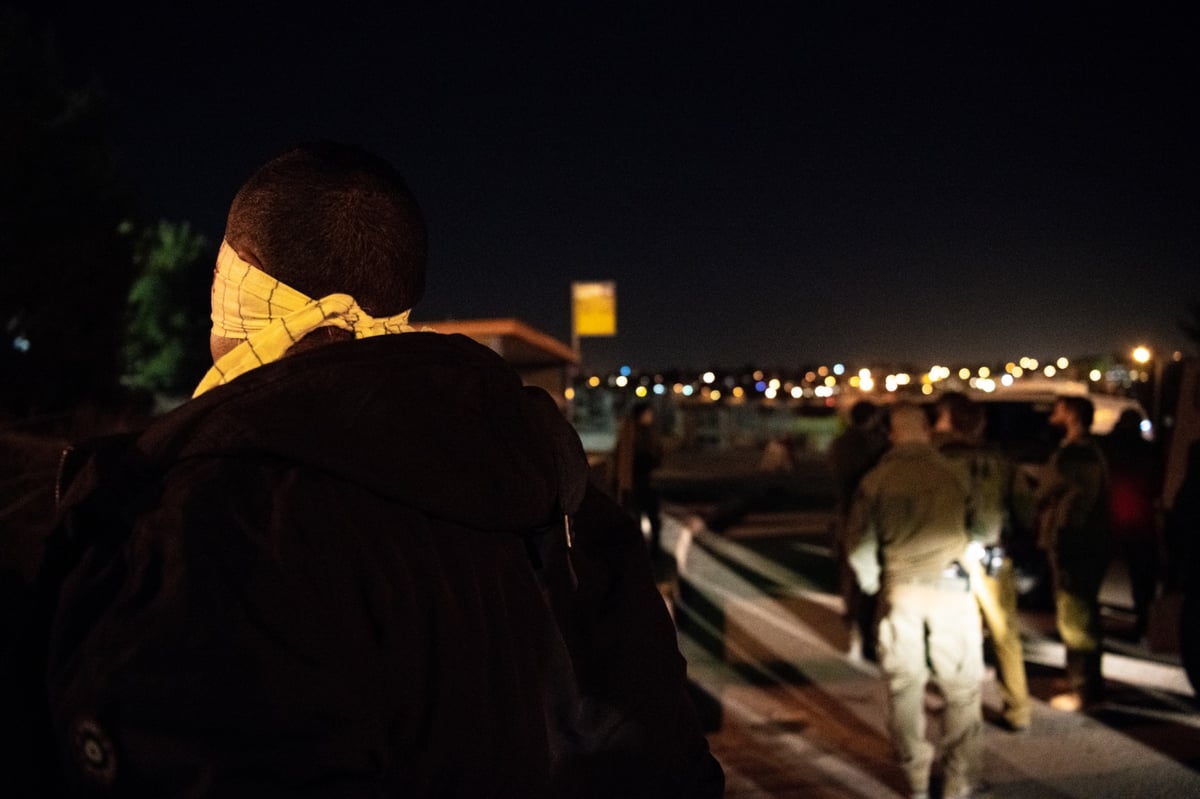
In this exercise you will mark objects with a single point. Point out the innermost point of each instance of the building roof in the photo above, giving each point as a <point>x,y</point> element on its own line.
<point>515,341</point>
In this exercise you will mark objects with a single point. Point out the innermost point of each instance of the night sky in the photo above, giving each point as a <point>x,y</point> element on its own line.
<point>767,183</point>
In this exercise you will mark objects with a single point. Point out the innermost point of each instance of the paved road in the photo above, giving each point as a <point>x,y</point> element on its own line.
<point>792,716</point>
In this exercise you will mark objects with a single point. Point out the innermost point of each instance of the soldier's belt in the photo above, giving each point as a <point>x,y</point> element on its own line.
<point>953,578</point>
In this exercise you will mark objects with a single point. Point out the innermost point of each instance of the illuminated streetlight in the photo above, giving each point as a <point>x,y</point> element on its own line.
<point>1141,354</point>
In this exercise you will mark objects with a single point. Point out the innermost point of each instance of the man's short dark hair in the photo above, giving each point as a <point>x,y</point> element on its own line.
<point>1081,408</point>
<point>329,218</point>
<point>966,415</point>
<point>863,413</point>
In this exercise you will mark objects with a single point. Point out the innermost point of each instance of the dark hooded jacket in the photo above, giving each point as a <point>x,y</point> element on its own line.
<point>347,574</point>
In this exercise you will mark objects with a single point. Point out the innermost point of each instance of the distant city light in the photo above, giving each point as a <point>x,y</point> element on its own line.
<point>677,388</point>
<point>760,386</point>
<point>774,384</point>
<point>758,375</point>
<point>594,381</point>
<point>641,391</point>
<point>855,380</point>
<point>770,393</point>
<point>1049,371</point>
<point>986,384</point>
<point>660,389</point>
<point>1017,371</point>
<point>688,390</point>
<point>1010,367</point>
<point>1095,375</point>
<point>1006,380</point>
<point>889,383</point>
<point>864,374</point>
<point>865,383</point>
<point>1141,354</point>
<point>964,373</point>
<point>831,381</point>
<point>823,391</point>
<point>708,377</point>
<point>1062,363</point>
<point>984,372</point>
<point>822,371</point>
<point>839,369</point>
<point>797,392</point>
<point>625,371</point>
<point>738,392</point>
<point>926,389</point>
<point>569,394</point>
<point>714,395</point>
<point>21,344</point>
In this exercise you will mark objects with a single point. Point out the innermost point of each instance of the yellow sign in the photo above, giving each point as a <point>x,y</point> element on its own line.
<point>594,308</point>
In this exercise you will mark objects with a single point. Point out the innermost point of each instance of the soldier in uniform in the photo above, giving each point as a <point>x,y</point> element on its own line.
<point>1073,530</point>
<point>990,478</point>
<point>907,540</point>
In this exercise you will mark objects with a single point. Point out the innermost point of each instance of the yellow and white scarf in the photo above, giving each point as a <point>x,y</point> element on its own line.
<point>270,316</point>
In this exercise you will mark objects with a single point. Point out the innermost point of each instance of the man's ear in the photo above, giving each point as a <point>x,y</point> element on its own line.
<point>245,248</point>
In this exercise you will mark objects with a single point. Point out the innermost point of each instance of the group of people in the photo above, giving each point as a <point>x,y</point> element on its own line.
<point>927,517</point>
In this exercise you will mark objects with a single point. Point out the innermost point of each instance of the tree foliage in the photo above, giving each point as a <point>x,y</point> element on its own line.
<point>66,265</point>
<point>167,330</point>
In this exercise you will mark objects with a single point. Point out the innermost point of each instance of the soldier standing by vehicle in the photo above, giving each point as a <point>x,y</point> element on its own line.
<point>1073,530</point>
<point>907,539</point>
<point>989,474</point>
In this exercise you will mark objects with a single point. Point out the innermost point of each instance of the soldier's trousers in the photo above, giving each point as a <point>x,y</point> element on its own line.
<point>997,598</point>
<point>932,634</point>
<point>1077,612</point>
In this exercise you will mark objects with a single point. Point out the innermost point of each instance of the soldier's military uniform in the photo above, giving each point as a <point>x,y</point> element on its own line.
<point>907,538</point>
<point>1073,529</point>
<point>990,477</point>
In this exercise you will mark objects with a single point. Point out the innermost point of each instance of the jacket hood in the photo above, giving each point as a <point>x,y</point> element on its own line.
<point>439,423</point>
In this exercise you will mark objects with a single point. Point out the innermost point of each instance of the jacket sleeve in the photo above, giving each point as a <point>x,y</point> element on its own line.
<point>643,736</point>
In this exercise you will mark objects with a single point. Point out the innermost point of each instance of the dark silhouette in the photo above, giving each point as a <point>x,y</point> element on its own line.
<point>1135,473</point>
<point>851,455</point>
<point>638,452</point>
<point>1182,535</point>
